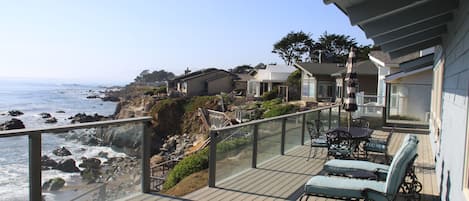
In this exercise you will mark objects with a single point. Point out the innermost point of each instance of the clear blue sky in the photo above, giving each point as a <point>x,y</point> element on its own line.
<point>113,41</point>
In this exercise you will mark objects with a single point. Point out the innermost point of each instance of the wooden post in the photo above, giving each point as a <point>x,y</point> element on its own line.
<point>282,140</point>
<point>254,145</point>
<point>35,185</point>
<point>212,159</point>
<point>146,154</point>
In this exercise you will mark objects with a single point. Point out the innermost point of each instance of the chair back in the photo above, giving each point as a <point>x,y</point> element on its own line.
<point>314,128</point>
<point>339,137</point>
<point>398,168</point>
<point>360,122</point>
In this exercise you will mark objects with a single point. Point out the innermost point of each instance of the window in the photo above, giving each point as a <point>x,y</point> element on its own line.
<point>394,96</point>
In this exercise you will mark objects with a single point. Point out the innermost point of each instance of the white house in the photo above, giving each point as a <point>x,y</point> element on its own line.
<point>267,79</point>
<point>402,27</point>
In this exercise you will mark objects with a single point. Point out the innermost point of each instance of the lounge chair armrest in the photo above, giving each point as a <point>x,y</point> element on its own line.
<point>373,194</point>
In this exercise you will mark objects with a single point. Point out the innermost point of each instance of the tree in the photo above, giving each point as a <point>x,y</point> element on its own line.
<point>294,85</point>
<point>155,76</point>
<point>335,48</point>
<point>293,47</point>
<point>242,69</point>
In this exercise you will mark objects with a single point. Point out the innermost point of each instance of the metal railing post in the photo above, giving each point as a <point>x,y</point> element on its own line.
<point>35,186</point>
<point>330,118</point>
<point>282,140</point>
<point>146,154</point>
<point>303,129</point>
<point>254,145</point>
<point>212,159</point>
<point>340,117</point>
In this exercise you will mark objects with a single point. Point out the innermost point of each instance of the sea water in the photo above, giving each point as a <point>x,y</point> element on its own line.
<point>33,98</point>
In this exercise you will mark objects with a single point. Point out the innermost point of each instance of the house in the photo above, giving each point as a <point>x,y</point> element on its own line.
<point>203,82</point>
<point>409,92</point>
<point>267,79</point>
<point>325,81</point>
<point>387,66</point>
<point>404,27</point>
<point>241,84</point>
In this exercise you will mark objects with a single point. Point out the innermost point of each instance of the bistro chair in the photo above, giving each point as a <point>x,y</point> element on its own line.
<point>379,146</point>
<point>360,122</point>
<point>340,143</point>
<point>317,136</point>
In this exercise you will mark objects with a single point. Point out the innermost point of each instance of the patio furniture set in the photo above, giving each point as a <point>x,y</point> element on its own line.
<point>350,176</point>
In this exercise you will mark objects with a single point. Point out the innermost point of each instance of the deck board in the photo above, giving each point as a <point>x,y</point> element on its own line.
<point>283,177</point>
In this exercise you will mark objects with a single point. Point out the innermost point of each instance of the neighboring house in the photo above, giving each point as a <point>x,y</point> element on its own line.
<point>203,82</point>
<point>325,81</point>
<point>241,84</point>
<point>267,79</point>
<point>409,92</point>
<point>387,66</point>
<point>403,27</point>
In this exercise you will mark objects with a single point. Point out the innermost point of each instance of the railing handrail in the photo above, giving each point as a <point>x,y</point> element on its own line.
<point>65,128</point>
<point>274,118</point>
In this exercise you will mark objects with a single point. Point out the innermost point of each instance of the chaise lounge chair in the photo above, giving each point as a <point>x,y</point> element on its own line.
<point>343,167</point>
<point>350,188</point>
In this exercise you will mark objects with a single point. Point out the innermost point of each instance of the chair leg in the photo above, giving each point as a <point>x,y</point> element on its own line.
<point>309,155</point>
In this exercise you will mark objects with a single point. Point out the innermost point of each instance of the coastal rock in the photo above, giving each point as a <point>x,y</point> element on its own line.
<point>111,98</point>
<point>48,163</point>
<point>51,120</point>
<point>15,113</point>
<point>67,165</point>
<point>92,97</point>
<point>53,184</point>
<point>103,154</point>
<point>62,152</point>
<point>60,111</point>
<point>126,138</point>
<point>91,170</point>
<point>83,118</point>
<point>45,115</point>
<point>92,163</point>
<point>12,124</point>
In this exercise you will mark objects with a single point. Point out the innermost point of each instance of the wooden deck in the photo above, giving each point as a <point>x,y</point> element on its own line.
<point>283,177</point>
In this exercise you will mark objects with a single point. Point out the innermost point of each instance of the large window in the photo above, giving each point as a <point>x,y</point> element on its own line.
<point>308,87</point>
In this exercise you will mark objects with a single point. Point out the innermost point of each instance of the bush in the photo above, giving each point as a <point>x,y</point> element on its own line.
<point>198,102</point>
<point>190,164</point>
<point>154,91</point>
<point>278,110</point>
<point>267,105</point>
<point>270,95</point>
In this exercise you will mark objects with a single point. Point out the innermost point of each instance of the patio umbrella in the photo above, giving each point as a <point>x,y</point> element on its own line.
<point>350,104</point>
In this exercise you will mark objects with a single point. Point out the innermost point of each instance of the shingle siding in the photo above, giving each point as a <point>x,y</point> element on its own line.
<point>450,163</point>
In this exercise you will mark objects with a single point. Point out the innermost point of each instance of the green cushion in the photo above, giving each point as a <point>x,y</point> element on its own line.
<point>397,169</point>
<point>341,186</point>
<point>375,147</point>
<point>337,166</point>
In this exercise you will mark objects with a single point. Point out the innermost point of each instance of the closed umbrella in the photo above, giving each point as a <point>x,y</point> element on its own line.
<point>350,104</point>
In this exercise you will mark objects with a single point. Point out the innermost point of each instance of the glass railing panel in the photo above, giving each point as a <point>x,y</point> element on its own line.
<point>293,129</point>
<point>234,151</point>
<point>14,165</point>
<point>310,117</point>
<point>335,117</point>
<point>269,140</point>
<point>102,163</point>
<point>324,116</point>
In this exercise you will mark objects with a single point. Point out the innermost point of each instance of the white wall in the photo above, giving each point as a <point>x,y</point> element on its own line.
<point>451,152</point>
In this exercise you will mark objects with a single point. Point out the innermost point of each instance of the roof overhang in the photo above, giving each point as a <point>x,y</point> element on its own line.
<point>402,74</point>
<point>400,27</point>
<point>302,69</point>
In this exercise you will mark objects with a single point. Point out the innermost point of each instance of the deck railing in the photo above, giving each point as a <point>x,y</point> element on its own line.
<point>35,150</point>
<point>239,147</point>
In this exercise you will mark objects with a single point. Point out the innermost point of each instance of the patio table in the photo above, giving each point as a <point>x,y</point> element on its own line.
<point>359,136</point>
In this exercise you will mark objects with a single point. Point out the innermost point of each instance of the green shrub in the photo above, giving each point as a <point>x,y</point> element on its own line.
<point>160,90</point>
<point>185,167</point>
<point>270,95</point>
<point>197,102</point>
<point>267,105</point>
<point>278,110</point>
<point>154,91</point>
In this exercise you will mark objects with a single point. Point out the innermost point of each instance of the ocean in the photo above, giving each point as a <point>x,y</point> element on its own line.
<point>33,98</point>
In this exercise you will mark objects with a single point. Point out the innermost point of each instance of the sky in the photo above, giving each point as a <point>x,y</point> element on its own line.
<point>111,41</point>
